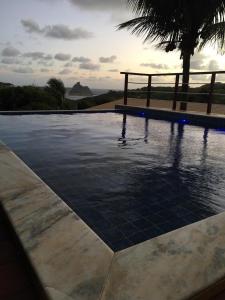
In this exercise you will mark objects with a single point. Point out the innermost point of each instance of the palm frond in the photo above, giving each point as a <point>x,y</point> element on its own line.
<point>213,34</point>
<point>182,24</point>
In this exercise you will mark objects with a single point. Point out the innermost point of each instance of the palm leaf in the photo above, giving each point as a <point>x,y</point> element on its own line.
<point>213,34</point>
<point>182,24</point>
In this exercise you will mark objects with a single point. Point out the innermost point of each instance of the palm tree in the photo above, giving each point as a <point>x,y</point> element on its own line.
<point>179,24</point>
<point>57,85</point>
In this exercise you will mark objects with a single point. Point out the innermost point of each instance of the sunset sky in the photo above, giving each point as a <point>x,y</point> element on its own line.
<point>77,40</point>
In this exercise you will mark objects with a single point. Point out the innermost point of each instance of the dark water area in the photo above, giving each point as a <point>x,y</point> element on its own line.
<point>129,178</point>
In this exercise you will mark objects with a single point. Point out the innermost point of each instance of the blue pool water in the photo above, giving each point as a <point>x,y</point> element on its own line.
<point>129,178</point>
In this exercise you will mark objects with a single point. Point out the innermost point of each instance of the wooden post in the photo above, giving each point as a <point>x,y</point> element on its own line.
<point>176,91</point>
<point>209,106</point>
<point>125,89</point>
<point>149,90</point>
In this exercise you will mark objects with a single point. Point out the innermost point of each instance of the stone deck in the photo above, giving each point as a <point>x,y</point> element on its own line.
<point>164,104</point>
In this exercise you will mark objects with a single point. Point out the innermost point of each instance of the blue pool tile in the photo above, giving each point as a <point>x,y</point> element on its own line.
<point>155,218</point>
<point>133,216</point>
<point>127,229</point>
<point>142,224</point>
<point>125,194</point>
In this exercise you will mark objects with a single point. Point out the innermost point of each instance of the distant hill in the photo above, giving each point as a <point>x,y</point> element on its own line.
<point>79,90</point>
<point>197,94</point>
<point>5,84</point>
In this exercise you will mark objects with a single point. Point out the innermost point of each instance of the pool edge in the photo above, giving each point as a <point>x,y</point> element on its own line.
<point>58,112</point>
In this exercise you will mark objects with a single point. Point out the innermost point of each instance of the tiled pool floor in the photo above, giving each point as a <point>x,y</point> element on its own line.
<point>129,178</point>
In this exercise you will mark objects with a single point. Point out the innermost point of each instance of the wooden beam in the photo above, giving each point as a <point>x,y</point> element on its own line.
<point>171,74</point>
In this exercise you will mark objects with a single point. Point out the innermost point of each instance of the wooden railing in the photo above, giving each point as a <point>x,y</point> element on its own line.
<point>176,86</point>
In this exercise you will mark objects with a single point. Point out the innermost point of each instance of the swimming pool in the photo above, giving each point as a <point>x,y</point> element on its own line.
<point>129,178</point>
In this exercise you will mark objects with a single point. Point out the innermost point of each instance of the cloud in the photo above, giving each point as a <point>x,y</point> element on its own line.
<point>198,62</point>
<point>213,65</point>
<point>44,70</point>
<point>45,63</point>
<point>5,44</point>
<point>65,72</point>
<point>31,26</point>
<point>117,9</point>
<point>81,59</point>
<point>113,70</point>
<point>120,16</point>
<point>220,77</point>
<point>69,64</point>
<point>58,31</point>
<point>89,66</point>
<point>107,60</point>
<point>200,78</point>
<point>62,56</point>
<point>65,33</point>
<point>20,43</point>
<point>155,66</point>
<point>14,61</point>
<point>10,52</point>
<point>98,4</point>
<point>48,57</point>
<point>23,70</point>
<point>37,55</point>
<point>10,61</point>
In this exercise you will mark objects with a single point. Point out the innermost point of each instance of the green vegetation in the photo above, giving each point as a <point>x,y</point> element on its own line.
<point>47,98</point>
<point>32,97</point>
<point>56,88</point>
<point>27,98</point>
<point>182,25</point>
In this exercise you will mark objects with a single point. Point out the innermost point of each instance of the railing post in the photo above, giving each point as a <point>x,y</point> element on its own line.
<point>209,106</point>
<point>176,91</point>
<point>125,89</point>
<point>149,90</point>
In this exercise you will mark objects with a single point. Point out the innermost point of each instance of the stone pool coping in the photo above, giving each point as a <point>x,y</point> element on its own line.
<point>59,112</point>
<point>73,263</point>
<point>192,118</point>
